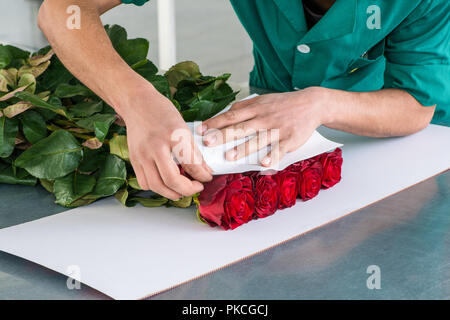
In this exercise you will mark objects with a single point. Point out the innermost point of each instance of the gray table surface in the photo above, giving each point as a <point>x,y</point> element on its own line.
<point>406,235</point>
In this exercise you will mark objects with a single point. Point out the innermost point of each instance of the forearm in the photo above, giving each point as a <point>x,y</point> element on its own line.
<point>383,113</point>
<point>87,52</point>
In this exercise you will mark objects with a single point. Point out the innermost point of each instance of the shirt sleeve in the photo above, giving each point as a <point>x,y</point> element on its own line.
<point>136,2</point>
<point>418,54</point>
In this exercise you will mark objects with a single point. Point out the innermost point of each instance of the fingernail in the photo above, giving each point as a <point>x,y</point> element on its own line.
<point>202,128</point>
<point>210,139</point>
<point>266,161</point>
<point>232,155</point>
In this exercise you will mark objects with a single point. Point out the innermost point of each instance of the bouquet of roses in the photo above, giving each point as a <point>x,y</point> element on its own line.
<point>231,200</point>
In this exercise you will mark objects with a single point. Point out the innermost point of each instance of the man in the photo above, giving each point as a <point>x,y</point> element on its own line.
<point>378,68</point>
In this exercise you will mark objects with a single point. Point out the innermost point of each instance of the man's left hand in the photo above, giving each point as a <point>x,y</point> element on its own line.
<point>283,120</point>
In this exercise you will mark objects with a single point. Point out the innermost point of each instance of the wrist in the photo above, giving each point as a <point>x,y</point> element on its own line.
<point>133,93</point>
<point>322,104</point>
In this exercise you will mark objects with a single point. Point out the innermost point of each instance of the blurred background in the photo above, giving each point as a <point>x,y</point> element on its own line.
<point>208,32</point>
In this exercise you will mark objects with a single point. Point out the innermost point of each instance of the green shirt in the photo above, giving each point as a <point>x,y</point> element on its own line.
<point>345,50</point>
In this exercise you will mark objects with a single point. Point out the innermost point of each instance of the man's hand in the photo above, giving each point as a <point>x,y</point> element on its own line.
<point>283,120</point>
<point>382,113</point>
<point>151,119</point>
<point>154,129</point>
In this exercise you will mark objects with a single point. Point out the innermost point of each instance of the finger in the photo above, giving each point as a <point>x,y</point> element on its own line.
<point>140,175</point>
<point>243,103</point>
<point>157,185</point>
<point>277,152</point>
<point>262,140</point>
<point>198,169</point>
<point>232,133</point>
<point>201,129</point>
<point>191,159</point>
<point>172,178</point>
<point>228,118</point>
<point>208,168</point>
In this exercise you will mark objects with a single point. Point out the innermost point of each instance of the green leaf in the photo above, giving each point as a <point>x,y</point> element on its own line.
<point>14,109</point>
<point>206,93</point>
<point>99,123</point>
<point>101,130</point>
<point>8,176</point>
<point>133,50</point>
<point>150,202</point>
<point>145,68</point>
<point>86,109</point>
<point>84,201</point>
<point>118,145</point>
<point>33,126</point>
<point>92,160</point>
<point>54,75</point>
<point>8,132</point>
<point>10,75</point>
<point>53,157</point>
<point>72,187</point>
<point>11,94</point>
<point>184,202</point>
<point>38,102</point>
<point>181,71</point>
<point>65,90</point>
<point>117,34</point>
<point>190,115</point>
<point>89,123</point>
<point>35,71</point>
<point>17,53</point>
<point>112,176</point>
<point>122,196</point>
<point>47,184</point>
<point>133,183</point>
<point>38,59</point>
<point>27,79</point>
<point>5,57</point>
<point>205,109</point>
<point>3,83</point>
<point>185,95</point>
<point>161,84</point>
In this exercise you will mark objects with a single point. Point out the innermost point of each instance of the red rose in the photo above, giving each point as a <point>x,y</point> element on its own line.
<point>332,164</point>
<point>287,181</point>
<point>227,201</point>
<point>310,179</point>
<point>267,195</point>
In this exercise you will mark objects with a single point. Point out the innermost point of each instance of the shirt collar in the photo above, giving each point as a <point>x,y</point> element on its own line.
<point>339,20</point>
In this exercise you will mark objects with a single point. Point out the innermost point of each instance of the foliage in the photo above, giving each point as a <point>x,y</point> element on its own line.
<point>57,132</point>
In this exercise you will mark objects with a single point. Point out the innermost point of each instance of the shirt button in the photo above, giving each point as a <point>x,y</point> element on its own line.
<point>303,48</point>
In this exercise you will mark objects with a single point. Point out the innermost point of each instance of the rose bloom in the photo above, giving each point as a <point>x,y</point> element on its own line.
<point>310,179</point>
<point>267,195</point>
<point>287,181</point>
<point>332,164</point>
<point>227,201</point>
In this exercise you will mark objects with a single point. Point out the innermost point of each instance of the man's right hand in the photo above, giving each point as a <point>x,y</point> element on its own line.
<point>151,118</point>
<point>154,129</point>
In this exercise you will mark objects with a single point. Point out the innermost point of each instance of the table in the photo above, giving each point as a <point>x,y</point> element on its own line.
<point>406,235</point>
